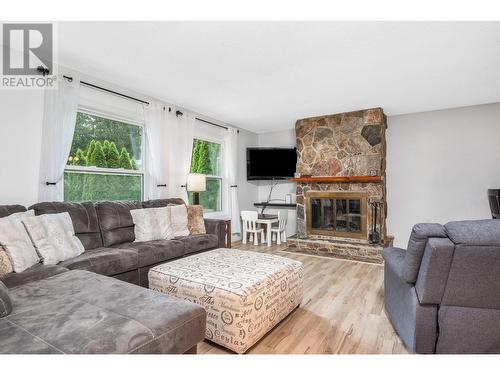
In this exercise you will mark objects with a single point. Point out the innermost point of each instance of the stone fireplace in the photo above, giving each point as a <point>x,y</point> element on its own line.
<point>341,195</point>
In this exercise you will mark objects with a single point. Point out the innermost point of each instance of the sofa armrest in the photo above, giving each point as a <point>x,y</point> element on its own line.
<point>434,270</point>
<point>415,324</point>
<point>217,227</point>
<point>394,258</point>
<point>5,301</point>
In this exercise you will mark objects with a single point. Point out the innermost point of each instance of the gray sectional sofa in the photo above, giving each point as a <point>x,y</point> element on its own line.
<point>442,294</point>
<point>83,305</point>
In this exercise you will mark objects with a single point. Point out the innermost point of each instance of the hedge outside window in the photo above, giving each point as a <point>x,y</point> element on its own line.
<point>105,161</point>
<point>206,159</point>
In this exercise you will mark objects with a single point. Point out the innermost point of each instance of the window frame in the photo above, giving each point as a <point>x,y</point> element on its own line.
<point>115,171</point>
<point>220,177</point>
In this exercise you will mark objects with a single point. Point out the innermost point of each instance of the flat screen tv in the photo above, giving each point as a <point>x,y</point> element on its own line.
<point>271,163</point>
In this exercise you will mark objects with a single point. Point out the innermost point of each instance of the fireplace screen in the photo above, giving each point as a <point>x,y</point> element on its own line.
<point>340,214</point>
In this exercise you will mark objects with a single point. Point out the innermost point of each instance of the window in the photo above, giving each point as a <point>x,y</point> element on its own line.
<point>206,159</point>
<point>105,161</point>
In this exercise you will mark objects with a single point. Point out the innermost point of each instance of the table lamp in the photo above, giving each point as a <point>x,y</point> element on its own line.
<point>196,182</point>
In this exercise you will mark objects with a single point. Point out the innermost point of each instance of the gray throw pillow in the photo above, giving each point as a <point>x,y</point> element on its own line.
<point>5,302</point>
<point>416,246</point>
<point>16,241</point>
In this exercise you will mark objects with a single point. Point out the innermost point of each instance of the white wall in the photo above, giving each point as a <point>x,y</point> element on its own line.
<point>285,138</point>
<point>439,166</point>
<point>21,117</point>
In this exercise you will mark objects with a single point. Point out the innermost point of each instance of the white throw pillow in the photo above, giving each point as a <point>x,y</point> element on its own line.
<point>16,242</point>
<point>151,224</point>
<point>54,237</point>
<point>179,220</point>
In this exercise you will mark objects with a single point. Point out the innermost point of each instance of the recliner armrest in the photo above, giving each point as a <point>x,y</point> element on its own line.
<point>394,258</point>
<point>217,227</point>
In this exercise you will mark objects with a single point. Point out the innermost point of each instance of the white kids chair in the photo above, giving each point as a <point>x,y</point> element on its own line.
<point>249,220</point>
<point>279,232</point>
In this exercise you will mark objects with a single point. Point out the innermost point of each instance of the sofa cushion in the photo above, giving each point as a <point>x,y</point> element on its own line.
<point>35,273</point>
<point>6,210</point>
<point>5,303</point>
<point>83,312</point>
<point>116,222</point>
<point>16,241</point>
<point>54,237</point>
<point>468,330</point>
<point>15,337</point>
<point>199,242</point>
<point>152,252</point>
<point>162,202</point>
<point>474,232</point>
<point>474,277</point>
<point>84,218</point>
<point>416,246</point>
<point>104,261</point>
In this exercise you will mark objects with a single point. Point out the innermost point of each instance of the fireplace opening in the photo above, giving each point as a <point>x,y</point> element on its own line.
<point>341,214</point>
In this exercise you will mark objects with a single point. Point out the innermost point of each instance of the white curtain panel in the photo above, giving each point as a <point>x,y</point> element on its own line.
<point>180,132</point>
<point>231,161</point>
<point>59,117</point>
<point>155,119</point>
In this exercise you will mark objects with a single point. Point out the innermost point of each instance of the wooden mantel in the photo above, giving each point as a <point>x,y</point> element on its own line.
<point>344,179</point>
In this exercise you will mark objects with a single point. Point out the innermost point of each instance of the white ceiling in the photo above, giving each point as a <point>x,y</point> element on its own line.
<point>263,76</point>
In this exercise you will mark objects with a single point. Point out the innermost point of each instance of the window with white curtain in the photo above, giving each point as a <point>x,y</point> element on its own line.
<point>207,159</point>
<point>106,161</point>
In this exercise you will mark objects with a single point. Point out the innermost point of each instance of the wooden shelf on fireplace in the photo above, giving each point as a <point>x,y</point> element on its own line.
<point>348,179</point>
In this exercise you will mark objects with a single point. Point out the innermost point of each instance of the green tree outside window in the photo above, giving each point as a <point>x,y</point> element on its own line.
<point>206,160</point>
<point>95,144</point>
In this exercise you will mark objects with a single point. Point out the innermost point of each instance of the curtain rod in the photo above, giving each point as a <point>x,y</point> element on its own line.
<point>107,90</point>
<point>214,124</point>
<point>211,123</point>
<point>178,113</point>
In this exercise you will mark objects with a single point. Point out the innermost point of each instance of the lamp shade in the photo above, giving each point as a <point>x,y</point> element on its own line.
<point>196,182</point>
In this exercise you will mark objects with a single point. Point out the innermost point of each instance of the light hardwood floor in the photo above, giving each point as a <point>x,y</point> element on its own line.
<point>342,311</point>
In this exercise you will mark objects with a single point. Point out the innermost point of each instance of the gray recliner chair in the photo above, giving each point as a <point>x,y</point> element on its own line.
<point>442,294</point>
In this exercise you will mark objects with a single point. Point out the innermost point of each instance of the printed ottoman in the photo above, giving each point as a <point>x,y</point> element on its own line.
<point>244,293</point>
